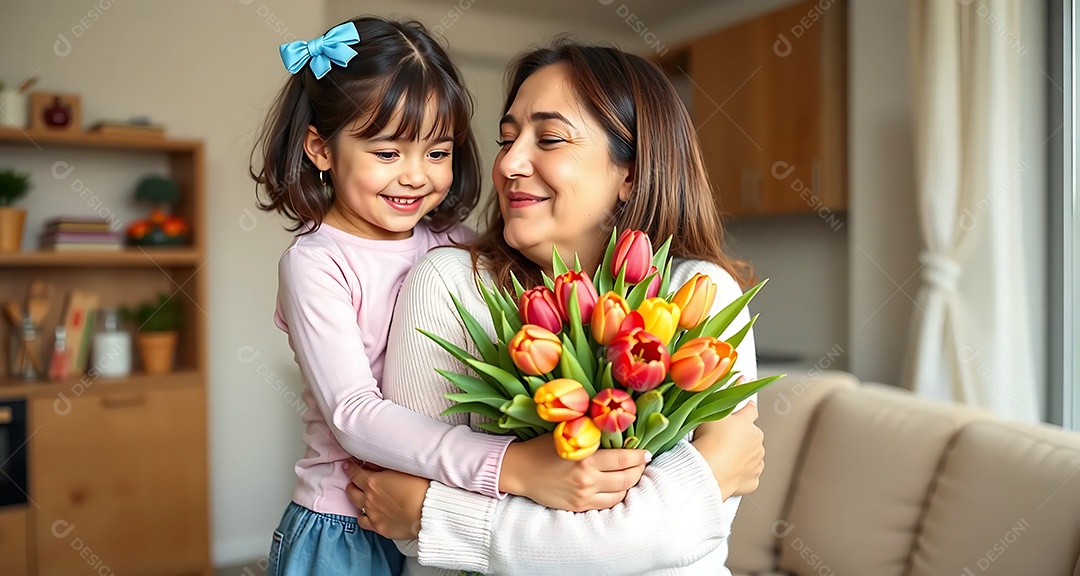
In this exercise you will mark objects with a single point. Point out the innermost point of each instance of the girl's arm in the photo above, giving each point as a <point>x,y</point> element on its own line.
<point>671,518</point>
<point>316,304</point>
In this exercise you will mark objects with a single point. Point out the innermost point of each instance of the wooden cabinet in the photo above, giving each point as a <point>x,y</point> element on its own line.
<point>117,468</point>
<point>769,104</point>
<point>13,549</point>
<point>120,479</point>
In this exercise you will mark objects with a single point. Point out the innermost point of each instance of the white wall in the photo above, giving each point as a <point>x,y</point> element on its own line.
<point>208,70</point>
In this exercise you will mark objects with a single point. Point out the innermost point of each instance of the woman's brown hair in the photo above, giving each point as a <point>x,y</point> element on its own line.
<point>397,65</point>
<point>649,130</point>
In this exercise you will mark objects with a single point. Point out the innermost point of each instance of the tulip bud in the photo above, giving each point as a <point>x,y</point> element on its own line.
<point>654,284</point>
<point>586,294</point>
<point>535,350</point>
<point>577,439</point>
<point>701,362</point>
<point>561,399</point>
<point>634,250</point>
<point>661,318</point>
<point>608,316</point>
<point>695,300</point>
<point>613,410</point>
<point>538,306</point>
<point>639,360</point>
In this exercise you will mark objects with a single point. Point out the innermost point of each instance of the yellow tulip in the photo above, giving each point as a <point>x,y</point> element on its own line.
<point>577,439</point>
<point>661,318</point>
<point>695,300</point>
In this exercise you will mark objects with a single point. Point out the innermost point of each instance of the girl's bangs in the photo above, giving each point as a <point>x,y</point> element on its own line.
<point>410,91</point>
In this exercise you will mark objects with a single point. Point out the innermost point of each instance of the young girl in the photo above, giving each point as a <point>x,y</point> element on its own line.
<point>368,153</point>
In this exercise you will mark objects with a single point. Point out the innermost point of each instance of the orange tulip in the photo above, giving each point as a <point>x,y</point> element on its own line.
<point>535,350</point>
<point>577,439</point>
<point>613,410</point>
<point>695,300</point>
<point>661,318</point>
<point>608,315</point>
<point>560,400</point>
<point>700,363</point>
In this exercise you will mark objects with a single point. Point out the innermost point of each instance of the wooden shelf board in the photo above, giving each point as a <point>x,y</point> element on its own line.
<point>92,140</point>
<point>127,258</point>
<point>88,385</point>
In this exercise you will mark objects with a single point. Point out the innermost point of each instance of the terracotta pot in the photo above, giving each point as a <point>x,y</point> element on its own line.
<point>11,228</point>
<point>158,351</point>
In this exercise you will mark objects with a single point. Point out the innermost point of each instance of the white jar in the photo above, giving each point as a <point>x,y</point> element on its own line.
<point>111,352</point>
<point>13,108</point>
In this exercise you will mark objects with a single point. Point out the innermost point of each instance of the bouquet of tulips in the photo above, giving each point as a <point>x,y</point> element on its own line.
<point>611,361</point>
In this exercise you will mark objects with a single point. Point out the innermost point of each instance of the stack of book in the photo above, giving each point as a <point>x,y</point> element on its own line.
<point>87,234</point>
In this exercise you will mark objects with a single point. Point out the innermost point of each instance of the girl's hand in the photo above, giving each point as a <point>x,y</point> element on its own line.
<point>391,502</point>
<point>533,469</point>
<point>735,449</point>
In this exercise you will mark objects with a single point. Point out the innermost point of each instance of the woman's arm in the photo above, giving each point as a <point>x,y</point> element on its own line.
<point>316,306</point>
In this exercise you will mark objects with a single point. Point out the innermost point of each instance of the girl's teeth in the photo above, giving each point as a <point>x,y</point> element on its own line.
<point>402,201</point>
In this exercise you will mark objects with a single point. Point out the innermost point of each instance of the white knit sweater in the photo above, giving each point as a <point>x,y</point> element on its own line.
<point>674,521</point>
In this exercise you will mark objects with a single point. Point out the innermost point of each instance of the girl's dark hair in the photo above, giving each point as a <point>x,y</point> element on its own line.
<point>397,64</point>
<point>649,130</point>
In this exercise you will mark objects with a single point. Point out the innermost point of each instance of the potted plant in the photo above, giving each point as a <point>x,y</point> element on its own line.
<point>161,228</point>
<point>13,186</point>
<point>157,324</point>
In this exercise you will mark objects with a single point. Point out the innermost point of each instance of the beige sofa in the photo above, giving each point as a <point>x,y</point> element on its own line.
<point>868,480</point>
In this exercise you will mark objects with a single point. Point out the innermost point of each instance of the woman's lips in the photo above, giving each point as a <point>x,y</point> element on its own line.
<point>523,200</point>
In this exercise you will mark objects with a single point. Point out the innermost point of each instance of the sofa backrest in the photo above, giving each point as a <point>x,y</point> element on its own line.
<point>869,461</point>
<point>785,410</point>
<point>1007,502</point>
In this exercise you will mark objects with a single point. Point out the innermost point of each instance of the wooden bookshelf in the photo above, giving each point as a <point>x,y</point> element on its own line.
<point>127,258</point>
<point>91,386</point>
<point>134,143</point>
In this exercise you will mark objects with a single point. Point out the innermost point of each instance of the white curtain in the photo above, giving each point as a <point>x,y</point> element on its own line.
<point>970,339</point>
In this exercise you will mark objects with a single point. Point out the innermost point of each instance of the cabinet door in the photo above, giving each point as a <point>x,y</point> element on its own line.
<point>13,551</point>
<point>121,483</point>
<point>730,113</point>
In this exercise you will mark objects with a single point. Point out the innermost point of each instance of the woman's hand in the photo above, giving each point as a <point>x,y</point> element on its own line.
<point>390,502</point>
<point>735,450</point>
<point>533,469</point>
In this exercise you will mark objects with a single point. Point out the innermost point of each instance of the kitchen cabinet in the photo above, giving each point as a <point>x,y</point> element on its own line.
<point>13,549</point>
<point>769,103</point>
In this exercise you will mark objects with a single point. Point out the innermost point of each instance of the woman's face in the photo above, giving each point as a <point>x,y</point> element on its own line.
<point>554,175</point>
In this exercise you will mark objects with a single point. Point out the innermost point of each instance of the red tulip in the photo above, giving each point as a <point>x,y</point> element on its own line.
<point>586,294</point>
<point>654,284</point>
<point>701,362</point>
<point>608,317</point>
<point>613,410</point>
<point>535,350</point>
<point>560,400</point>
<point>634,250</point>
<point>538,306</point>
<point>639,360</point>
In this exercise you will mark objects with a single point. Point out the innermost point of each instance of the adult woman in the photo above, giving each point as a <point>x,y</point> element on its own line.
<point>592,137</point>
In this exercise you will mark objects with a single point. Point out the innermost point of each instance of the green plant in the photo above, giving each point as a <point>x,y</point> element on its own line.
<point>157,190</point>
<point>13,186</point>
<point>162,315</point>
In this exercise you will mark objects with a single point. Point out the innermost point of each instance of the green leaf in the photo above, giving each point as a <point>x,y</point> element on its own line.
<point>534,382</point>
<point>637,295</point>
<point>493,305</point>
<point>548,281</point>
<point>505,362</point>
<point>620,282</point>
<point>506,332</point>
<point>523,409</point>
<point>720,322</point>
<point>737,339</point>
<point>510,383</point>
<point>729,397</point>
<point>476,332</point>
<point>603,279</point>
<point>660,257</point>
<point>631,442</point>
<point>582,348</point>
<point>557,264</point>
<point>656,424</point>
<point>611,440</point>
<point>571,368</point>
<point>518,288</point>
<point>577,262</point>
<point>495,428</point>
<point>605,380</point>
<point>665,280</point>
<point>474,408</point>
<point>647,404</point>
<point>468,384</point>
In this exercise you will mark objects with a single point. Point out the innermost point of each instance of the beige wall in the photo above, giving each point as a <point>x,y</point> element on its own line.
<point>207,69</point>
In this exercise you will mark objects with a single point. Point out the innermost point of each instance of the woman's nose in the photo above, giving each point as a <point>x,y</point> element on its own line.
<point>515,162</point>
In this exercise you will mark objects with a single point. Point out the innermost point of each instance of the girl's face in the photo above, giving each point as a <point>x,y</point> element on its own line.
<point>382,186</point>
<point>555,179</point>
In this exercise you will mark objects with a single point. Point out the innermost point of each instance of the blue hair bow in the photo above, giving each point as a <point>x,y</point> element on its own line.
<point>330,47</point>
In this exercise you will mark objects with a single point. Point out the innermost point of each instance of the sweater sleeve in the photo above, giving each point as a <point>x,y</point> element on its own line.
<point>316,304</point>
<point>671,518</point>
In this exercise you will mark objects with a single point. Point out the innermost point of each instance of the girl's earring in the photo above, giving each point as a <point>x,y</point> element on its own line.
<point>328,190</point>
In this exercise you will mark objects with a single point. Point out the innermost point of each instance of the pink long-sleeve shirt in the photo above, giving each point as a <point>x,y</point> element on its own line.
<point>336,295</point>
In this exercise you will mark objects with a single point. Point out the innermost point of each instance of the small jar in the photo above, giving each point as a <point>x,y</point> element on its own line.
<point>26,351</point>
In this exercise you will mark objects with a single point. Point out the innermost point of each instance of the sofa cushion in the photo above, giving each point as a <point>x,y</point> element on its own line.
<point>784,412</point>
<point>858,497</point>
<point>1006,502</point>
